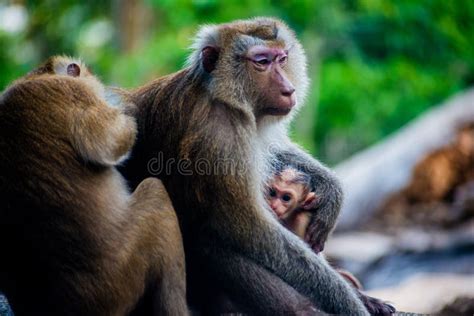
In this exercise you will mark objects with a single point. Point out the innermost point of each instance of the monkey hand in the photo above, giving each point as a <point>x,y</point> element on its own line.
<point>315,236</point>
<point>375,306</point>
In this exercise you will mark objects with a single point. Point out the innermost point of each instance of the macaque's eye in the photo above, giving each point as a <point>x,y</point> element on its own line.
<point>283,59</point>
<point>261,60</point>
<point>272,192</point>
<point>286,197</point>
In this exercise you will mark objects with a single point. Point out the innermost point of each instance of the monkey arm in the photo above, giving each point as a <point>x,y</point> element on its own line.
<point>102,134</point>
<point>327,189</point>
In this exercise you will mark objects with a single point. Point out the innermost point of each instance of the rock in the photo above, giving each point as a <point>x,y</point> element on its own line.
<point>371,176</point>
<point>461,306</point>
<point>422,239</point>
<point>427,293</point>
<point>363,247</point>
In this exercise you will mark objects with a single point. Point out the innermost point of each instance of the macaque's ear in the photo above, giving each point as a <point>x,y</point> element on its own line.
<point>73,70</point>
<point>209,55</point>
<point>310,202</point>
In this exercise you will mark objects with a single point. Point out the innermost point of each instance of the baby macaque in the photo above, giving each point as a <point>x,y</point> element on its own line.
<point>292,200</point>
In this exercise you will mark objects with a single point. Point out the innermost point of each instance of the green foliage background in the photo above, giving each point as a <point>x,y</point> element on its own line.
<point>374,64</point>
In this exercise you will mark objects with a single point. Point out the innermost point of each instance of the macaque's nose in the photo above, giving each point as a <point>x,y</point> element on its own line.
<point>288,91</point>
<point>286,87</point>
<point>274,206</point>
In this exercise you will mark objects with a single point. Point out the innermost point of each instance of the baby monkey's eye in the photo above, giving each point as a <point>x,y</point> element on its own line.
<point>272,192</point>
<point>286,197</point>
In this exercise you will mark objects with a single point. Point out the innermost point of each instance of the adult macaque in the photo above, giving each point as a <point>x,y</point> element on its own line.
<point>226,109</point>
<point>75,242</point>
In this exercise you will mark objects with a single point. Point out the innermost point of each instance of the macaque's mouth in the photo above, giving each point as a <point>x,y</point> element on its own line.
<point>285,105</point>
<point>281,216</point>
<point>287,100</point>
<point>278,111</point>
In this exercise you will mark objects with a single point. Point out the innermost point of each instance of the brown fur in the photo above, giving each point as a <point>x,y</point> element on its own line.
<point>438,182</point>
<point>219,110</point>
<point>435,177</point>
<point>75,241</point>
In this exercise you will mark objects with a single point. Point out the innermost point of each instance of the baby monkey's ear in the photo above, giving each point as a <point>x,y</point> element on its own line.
<point>310,202</point>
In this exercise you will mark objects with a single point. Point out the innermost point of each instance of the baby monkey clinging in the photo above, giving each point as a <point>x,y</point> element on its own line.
<point>291,199</point>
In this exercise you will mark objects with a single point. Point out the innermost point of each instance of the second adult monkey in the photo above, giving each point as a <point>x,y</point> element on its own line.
<point>227,107</point>
<point>75,241</point>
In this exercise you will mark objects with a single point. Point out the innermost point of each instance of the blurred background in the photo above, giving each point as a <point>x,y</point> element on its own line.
<point>375,65</point>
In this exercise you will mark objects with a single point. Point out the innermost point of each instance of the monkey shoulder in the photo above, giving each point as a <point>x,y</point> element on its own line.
<point>217,130</point>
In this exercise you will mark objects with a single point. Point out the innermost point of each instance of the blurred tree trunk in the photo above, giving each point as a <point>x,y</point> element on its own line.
<point>372,175</point>
<point>133,19</point>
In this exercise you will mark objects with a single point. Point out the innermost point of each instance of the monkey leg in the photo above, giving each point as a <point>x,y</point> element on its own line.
<point>164,246</point>
<point>373,305</point>
<point>257,291</point>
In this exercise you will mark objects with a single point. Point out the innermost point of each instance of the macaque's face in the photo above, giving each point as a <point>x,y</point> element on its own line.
<point>285,196</point>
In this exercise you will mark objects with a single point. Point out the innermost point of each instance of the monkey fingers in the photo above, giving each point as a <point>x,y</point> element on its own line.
<point>375,306</point>
<point>314,236</point>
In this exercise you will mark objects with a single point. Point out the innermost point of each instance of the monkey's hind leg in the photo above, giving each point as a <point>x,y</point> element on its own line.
<point>256,290</point>
<point>165,247</point>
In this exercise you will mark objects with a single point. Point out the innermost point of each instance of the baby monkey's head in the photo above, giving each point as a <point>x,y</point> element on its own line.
<point>289,191</point>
